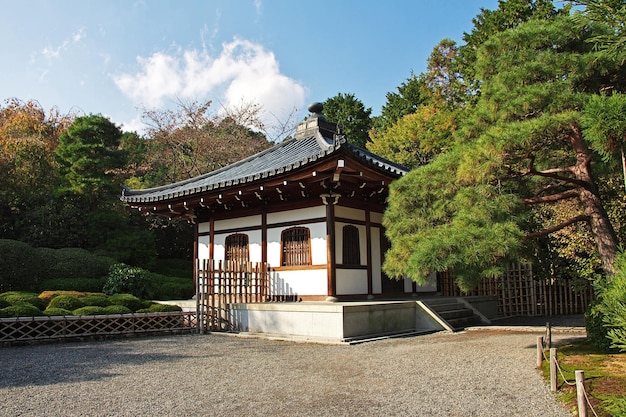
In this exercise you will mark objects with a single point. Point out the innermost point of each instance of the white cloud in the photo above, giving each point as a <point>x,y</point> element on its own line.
<point>55,52</point>
<point>242,72</point>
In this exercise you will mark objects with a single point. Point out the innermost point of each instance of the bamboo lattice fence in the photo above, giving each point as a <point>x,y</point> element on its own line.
<point>521,294</point>
<point>220,283</point>
<point>26,329</point>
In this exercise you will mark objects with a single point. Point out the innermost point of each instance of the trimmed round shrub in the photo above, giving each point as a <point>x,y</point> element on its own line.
<point>49,295</point>
<point>127,300</point>
<point>55,311</point>
<point>89,311</point>
<point>95,300</point>
<point>16,297</point>
<point>20,266</point>
<point>4,303</point>
<point>66,301</point>
<point>117,309</point>
<point>124,279</point>
<point>160,308</point>
<point>22,310</point>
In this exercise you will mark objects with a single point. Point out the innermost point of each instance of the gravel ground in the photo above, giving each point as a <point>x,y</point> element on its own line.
<point>484,372</point>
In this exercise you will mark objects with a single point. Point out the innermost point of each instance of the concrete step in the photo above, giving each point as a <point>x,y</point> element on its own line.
<point>456,314</point>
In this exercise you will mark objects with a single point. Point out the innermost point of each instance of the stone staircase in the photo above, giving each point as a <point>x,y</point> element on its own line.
<point>451,313</point>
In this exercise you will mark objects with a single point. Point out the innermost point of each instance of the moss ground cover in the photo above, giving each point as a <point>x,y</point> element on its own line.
<point>605,377</point>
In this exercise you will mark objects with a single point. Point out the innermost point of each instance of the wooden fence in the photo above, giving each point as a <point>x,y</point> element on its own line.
<point>27,329</point>
<point>220,283</point>
<point>521,294</point>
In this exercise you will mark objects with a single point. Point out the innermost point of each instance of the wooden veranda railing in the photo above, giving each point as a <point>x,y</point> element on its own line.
<point>221,283</point>
<point>521,294</point>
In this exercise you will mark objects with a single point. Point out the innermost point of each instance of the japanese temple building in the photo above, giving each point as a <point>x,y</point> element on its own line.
<point>310,209</point>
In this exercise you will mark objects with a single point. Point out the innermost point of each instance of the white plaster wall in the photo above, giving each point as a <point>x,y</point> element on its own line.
<point>296,215</point>
<point>204,227</point>
<point>350,213</point>
<point>376,217</point>
<point>248,221</point>
<point>377,279</point>
<point>203,247</point>
<point>305,282</point>
<point>351,281</point>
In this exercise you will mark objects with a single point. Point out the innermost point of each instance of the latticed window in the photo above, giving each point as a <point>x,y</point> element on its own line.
<point>237,248</point>
<point>296,246</point>
<point>351,248</point>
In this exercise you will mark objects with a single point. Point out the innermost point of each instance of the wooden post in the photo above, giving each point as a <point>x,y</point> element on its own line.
<point>539,351</point>
<point>553,374</point>
<point>580,393</point>
<point>548,335</point>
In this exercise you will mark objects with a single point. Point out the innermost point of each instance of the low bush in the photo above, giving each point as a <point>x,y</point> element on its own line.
<point>74,263</point>
<point>606,317</point>
<point>55,311</point>
<point>172,288</point>
<point>127,300</point>
<point>124,279</point>
<point>160,308</point>
<point>89,311</point>
<point>95,300</point>
<point>67,302</point>
<point>117,309</point>
<point>49,295</point>
<point>22,310</point>
<point>20,266</point>
<point>16,297</point>
<point>4,303</point>
<point>73,284</point>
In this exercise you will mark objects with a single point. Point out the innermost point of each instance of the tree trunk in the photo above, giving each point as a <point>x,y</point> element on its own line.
<point>601,228</point>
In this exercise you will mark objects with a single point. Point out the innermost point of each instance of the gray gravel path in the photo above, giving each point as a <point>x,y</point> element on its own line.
<point>486,372</point>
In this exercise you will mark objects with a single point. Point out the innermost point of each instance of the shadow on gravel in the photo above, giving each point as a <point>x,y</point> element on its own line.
<point>60,363</point>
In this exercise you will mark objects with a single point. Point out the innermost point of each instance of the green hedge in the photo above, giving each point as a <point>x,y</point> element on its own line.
<point>67,302</point>
<point>20,266</point>
<point>127,300</point>
<point>72,284</point>
<point>160,308</point>
<point>55,311</point>
<point>89,311</point>
<point>22,310</point>
<point>17,297</point>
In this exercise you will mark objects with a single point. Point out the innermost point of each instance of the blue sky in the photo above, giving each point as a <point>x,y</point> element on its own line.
<point>117,57</point>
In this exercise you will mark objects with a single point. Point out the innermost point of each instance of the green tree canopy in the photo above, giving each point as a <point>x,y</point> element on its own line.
<point>351,114</point>
<point>89,153</point>
<point>520,147</point>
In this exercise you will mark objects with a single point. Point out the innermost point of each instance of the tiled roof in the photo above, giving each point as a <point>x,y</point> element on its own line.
<point>286,156</point>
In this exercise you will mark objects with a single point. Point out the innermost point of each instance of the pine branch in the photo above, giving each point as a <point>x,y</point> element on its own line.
<point>553,197</point>
<point>555,228</point>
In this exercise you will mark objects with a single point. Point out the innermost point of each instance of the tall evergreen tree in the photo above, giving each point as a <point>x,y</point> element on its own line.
<point>351,114</point>
<point>522,146</point>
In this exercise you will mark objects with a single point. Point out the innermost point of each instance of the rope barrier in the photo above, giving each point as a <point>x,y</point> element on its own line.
<point>571,384</point>
<point>589,402</point>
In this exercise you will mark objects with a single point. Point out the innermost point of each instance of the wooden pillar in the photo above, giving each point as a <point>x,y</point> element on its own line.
<point>368,239</point>
<point>330,201</point>
<point>211,238</point>
<point>195,253</point>
<point>264,236</point>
